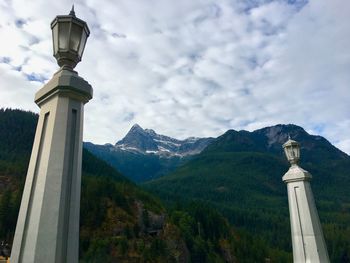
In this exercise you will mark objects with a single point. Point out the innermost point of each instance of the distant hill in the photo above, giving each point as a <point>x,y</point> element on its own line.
<point>143,154</point>
<point>240,173</point>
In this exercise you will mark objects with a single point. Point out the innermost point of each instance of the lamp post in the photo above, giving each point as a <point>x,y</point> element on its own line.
<point>307,236</point>
<point>48,223</point>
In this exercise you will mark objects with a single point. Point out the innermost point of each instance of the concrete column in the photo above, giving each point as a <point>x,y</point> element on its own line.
<point>307,236</point>
<point>48,222</point>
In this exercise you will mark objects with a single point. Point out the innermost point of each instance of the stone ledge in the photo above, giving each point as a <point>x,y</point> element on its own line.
<point>67,83</point>
<point>295,174</point>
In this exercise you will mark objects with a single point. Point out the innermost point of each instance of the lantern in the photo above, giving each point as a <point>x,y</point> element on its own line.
<point>69,35</point>
<point>292,151</point>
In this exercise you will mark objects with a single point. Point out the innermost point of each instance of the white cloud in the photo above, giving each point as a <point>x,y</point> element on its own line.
<point>16,91</point>
<point>192,68</point>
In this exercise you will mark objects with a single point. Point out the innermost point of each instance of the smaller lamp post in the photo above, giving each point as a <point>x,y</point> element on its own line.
<point>307,236</point>
<point>48,222</point>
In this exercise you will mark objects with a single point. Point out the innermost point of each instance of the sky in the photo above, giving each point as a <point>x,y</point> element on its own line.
<point>190,68</point>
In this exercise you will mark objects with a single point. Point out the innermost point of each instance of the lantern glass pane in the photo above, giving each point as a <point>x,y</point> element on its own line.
<point>82,43</point>
<point>286,152</point>
<point>63,35</point>
<point>296,151</point>
<point>55,38</point>
<point>290,152</point>
<point>75,37</point>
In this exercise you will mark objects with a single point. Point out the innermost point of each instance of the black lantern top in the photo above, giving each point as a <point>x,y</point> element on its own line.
<point>292,151</point>
<point>69,35</point>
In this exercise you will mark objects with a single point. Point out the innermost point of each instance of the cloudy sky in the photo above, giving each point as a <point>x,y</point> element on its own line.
<point>191,68</point>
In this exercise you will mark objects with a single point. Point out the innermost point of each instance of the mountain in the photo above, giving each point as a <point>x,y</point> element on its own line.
<point>270,139</point>
<point>147,141</point>
<point>240,173</point>
<point>143,154</point>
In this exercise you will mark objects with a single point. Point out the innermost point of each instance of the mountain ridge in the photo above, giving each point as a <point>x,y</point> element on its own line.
<point>137,155</point>
<point>271,139</point>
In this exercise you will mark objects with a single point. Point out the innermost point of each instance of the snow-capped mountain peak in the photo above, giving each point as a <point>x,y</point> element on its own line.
<point>147,141</point>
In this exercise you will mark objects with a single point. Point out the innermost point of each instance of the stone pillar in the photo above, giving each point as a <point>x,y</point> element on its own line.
<point>307,236</point>
<point>48,223</point>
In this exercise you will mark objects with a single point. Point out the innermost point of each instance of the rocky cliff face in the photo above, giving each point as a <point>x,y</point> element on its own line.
<point>147,141</point>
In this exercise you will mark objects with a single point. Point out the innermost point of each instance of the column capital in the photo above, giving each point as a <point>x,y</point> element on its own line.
<point>296,174</point>
<point>67,83</point>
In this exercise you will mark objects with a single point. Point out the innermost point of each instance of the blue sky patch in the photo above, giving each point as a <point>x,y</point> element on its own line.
<point>5,60</point>
<point>36,77</point>
<point>129,116</point>
<point>20,22</point>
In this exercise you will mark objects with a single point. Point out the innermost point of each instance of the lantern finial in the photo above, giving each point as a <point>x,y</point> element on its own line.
<point>72,13</point>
